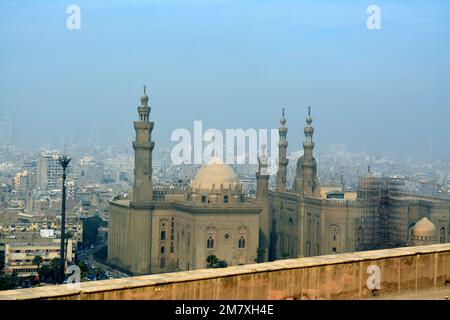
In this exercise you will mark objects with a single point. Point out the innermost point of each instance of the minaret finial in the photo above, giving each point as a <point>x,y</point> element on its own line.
<point>145,89</point>
<point>283,119</point>
<point>263,160</point>
<point>309,110</point>
<point>368,169</point>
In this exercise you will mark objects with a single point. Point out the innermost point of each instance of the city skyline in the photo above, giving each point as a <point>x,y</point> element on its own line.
<point>360,82</point>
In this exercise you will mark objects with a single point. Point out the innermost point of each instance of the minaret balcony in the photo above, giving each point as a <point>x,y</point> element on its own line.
<point>307,164</point>
<point>143,125</point>
<point>309,130</point>
<point>143,145</point>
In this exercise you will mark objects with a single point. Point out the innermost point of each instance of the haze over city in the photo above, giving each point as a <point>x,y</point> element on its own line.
<point>210,152</point>
<point>231,65</point>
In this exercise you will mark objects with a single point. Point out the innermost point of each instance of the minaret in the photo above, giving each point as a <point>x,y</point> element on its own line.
<point>308,162</point>
<point>282,160</point>
<point>143,147</point>
<point>262,192</point>
<point>262,176</point>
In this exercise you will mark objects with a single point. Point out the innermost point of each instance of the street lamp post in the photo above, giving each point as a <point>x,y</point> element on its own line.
<point>64,162</point>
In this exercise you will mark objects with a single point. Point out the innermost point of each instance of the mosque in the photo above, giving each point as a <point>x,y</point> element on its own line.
<point>155,230</point>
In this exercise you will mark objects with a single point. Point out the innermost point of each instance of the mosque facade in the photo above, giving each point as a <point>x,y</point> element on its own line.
<point>155,230</point>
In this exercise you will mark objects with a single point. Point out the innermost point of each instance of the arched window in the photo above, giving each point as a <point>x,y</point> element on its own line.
<point>243,232</point>
<point>225,199</point>
<point>334,238</point>
<point>163,230</point>
<point>309,229</point>
<point>210,243</point>
<point>442,235</point>
<point>210,237</point>
<point>241,243</point>
<point>162,250</point>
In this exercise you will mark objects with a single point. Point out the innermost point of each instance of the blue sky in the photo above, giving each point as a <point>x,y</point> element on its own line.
<point>232,64</point>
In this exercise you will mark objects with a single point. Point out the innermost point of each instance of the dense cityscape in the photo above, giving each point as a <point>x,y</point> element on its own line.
<point>214,158</point>
<point>30,197</point>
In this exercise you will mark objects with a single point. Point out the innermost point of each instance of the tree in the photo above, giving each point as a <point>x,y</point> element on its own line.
<point>83,268</point>
<point>49,272</point>
<point>54,263</point>
<point>211,261</point>
<point>37,260</point>
<point>64,162</point>
<point>260,255</point>
<point>221,264</point>
<point>214,262</point>
<point>7,281</point>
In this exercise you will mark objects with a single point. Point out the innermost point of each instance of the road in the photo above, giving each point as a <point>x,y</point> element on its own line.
<point>87,257</point>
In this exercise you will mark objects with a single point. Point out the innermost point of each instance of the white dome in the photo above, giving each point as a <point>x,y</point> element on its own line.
<point>213,175</point>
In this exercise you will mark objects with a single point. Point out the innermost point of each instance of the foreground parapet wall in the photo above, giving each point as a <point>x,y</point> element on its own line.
<point>339,276</point>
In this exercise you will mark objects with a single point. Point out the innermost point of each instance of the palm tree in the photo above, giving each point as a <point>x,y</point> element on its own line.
<point>64,162</point>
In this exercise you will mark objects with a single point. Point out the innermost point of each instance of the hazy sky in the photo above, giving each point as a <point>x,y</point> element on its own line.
<point>232,64</point>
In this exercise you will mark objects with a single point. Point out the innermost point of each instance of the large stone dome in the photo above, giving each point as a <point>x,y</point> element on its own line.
<point>213,175</point>
<point>424,228</point>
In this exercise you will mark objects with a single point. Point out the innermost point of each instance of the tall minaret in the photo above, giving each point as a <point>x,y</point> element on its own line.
<point>282,160</point>
<point>262,176</point>
<point>262,192</point>
<point>143,147</point>
<point>308,162</point>
<point>308,145</point>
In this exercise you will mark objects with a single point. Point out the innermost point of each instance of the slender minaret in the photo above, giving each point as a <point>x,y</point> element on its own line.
<point>262,176</point>
<point>262,191</point>
<point>143,147</point>
<point>282,159</point>
<point>308,161</point>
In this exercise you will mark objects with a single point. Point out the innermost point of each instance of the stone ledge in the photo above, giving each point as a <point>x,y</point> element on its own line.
<point>84,289</point>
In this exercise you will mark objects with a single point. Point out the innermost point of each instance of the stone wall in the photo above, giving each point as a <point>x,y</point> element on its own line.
<point>339,276</point>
